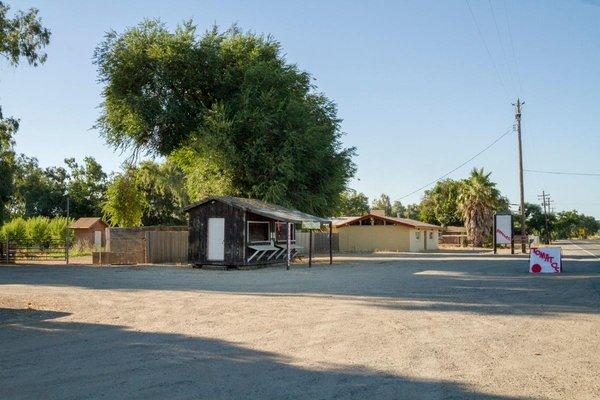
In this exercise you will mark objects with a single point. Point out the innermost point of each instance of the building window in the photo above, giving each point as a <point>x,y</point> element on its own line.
<point>281,232</point>
<point>418,235</point>
<point>431,235</point>
<point>259,231</point>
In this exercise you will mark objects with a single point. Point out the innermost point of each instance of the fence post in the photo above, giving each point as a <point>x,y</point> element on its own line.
<point>7,251</point>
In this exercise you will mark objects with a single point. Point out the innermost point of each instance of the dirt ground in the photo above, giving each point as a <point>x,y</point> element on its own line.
<point>422,327</point>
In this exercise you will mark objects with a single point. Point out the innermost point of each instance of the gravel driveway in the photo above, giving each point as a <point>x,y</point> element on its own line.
<point>414,328</point>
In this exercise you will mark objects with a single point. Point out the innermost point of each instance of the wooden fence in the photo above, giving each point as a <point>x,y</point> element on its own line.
<point>320,242</point>
<point>166,246</point>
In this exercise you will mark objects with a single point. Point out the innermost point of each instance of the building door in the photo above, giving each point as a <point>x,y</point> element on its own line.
<point>216,239</point>
<point>424,240</point>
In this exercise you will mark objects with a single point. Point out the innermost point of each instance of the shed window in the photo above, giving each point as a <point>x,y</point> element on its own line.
<point>258,231</point>
<point>281,232</point>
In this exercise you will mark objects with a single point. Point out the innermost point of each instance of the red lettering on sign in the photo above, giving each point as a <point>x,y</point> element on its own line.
<point>504,235</point>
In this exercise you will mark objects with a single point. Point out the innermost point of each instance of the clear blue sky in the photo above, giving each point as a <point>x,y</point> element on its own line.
<point>415,87</point>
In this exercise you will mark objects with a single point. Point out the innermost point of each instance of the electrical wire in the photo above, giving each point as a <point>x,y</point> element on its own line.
<point>512,46</point>
<point>508,67</point>
<point>562,173</point>
<point>509,130</point>
<point>487,49</point>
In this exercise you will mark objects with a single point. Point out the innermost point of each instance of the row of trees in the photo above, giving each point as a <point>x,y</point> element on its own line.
<point>471,202</point>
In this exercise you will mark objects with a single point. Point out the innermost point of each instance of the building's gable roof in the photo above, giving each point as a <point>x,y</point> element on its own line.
<point>86,222</point>
<point>344,221</point>
<point>261,208</point>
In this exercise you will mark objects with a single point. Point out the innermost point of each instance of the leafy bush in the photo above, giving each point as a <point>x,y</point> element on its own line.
<point>38,231</point>
<point>15,230</point>
<point>59,228</point>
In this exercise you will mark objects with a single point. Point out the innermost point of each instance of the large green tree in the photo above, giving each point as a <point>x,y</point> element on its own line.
<point>572,224</point>
<point>164,193</point>
<point>228,109</point>
<point>352,203</point>
<point>38,192</point>
<point>383,203</point>
<point>86,187</point>
<point>440,204</point>
<point>22,36</point>
<point>125,203</point>
<point>478,200</point>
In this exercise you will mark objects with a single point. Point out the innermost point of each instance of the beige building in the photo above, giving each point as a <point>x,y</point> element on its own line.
<point>377,232</point>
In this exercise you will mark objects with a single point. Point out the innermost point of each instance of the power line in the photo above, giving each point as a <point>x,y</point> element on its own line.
<point>509,130</point>
<point>508,68</point>
<point>487,49</point>
<point>562,173</point>
<point>512,46</point>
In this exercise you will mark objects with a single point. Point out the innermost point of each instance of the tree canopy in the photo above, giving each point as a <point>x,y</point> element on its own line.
<point>352,203</point>
<point>21,36</point>
<point>383,203</point>
<point>228,109</point>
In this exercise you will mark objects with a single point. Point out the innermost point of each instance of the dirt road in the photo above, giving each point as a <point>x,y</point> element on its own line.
<point>418,328</point>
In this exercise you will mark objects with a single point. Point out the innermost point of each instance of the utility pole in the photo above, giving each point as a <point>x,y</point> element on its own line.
<point>521,186</point>
<point>67,234</point>
<point>546,204</point>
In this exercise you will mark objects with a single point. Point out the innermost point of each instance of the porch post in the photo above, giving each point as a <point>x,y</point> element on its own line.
<point>330,242</point>
<point>310,233</point>
<point>289,244</point>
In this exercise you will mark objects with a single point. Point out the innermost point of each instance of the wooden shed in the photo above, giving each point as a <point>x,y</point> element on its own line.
<point>234,231</point>
<point>85,228</point>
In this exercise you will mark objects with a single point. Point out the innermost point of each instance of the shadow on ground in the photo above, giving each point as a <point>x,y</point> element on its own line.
<point>496,286</point>
<point>54,359</point>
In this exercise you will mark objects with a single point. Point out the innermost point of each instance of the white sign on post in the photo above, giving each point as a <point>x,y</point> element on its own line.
<point>311,225</point>
<point>545,260</point>
<point>503,229</point>
<point>98,240</point>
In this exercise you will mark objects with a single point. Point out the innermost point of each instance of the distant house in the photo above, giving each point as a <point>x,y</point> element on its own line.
<point>377,232</point>
<point>234,231</point>
<point>85,230</point>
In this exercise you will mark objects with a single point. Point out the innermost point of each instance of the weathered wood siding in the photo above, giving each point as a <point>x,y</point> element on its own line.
<point>320,242</point>
<point>166,246</point>
<point>198,233</point>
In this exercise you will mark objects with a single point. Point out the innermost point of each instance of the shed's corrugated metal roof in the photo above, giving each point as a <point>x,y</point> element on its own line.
<point>343,221</point>
<point>85,222</point>
<point>261,208</point>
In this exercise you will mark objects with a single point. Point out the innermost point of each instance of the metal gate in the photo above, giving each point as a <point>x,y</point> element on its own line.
<point>12,252</point>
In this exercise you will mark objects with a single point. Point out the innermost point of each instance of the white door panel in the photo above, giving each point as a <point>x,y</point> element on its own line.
<point>216,239</point>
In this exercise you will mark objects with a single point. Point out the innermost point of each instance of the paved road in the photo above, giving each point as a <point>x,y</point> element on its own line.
<point>586,248</point>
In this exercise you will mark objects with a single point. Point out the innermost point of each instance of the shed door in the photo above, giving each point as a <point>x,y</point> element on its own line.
<point>216,239</point>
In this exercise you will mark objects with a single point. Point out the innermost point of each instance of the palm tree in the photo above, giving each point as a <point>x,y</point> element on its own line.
<point>478,200</point>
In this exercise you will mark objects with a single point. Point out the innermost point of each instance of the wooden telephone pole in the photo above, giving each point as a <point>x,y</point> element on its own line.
<point>521,186</point>
<point>545,197</point>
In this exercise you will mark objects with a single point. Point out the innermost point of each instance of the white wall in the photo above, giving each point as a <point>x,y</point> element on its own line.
<point>432,239</point>
<point>416,243</point>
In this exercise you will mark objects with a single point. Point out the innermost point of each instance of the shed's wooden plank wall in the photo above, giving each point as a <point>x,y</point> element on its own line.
<point>234,232</point>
